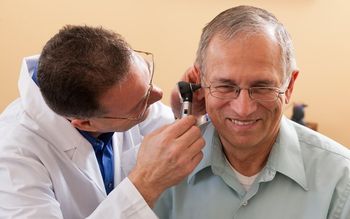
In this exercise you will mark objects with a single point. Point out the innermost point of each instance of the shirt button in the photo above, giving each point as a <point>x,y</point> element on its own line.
<point>245,203</point>
<point>110,185</point>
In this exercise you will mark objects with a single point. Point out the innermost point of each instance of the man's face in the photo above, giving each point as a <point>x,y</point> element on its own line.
<point>128,99</point>
<point>252,61</point>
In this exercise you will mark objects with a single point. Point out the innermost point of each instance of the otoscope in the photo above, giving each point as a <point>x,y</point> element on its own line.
<point>186,91</point>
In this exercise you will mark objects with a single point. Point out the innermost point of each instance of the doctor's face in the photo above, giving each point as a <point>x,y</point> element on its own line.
<point>127,103</point>
<point>244,62</point>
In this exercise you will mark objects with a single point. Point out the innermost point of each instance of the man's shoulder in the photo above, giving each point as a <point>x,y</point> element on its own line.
<point>319,144</point>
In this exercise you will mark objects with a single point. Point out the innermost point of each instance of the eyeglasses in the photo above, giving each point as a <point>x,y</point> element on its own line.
<point>142,105</point>
<point>228,91</point>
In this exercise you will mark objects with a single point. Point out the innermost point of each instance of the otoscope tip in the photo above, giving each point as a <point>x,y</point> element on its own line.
<point>195,87</point>
<point>186,89</point>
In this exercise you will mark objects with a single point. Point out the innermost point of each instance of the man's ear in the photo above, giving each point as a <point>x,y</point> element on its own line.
<point>200,94</point>
<point>82,124</point>
<point>289,90</point>
<point>196,73</point>
<point>197,78</point>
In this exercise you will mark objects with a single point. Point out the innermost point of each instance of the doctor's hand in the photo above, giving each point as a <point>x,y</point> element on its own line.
<point>166,157</point>
<point>191,75</point>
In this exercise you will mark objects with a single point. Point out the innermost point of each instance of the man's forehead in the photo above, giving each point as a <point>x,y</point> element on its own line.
<point>257,54</point>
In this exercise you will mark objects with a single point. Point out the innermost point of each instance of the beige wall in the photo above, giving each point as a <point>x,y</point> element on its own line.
<point>171,29</point>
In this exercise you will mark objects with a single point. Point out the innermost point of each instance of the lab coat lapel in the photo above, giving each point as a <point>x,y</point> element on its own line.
<point>125,147</point>
<point>117,151</point>
<point>85,159</point>
<point>54,128</point>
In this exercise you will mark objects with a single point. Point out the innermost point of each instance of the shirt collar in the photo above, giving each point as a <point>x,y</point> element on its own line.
<point>285,156</point>
<point>97,143</point>
<point>212,151</point>
<point>35,74</point>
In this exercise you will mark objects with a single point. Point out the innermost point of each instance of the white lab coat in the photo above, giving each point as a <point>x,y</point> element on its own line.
<point>48,170</point>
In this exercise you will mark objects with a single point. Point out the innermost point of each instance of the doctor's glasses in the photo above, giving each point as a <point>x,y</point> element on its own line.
<point>141,107</point>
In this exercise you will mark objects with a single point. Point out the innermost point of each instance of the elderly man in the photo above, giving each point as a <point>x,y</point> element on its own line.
<point>257,163</point>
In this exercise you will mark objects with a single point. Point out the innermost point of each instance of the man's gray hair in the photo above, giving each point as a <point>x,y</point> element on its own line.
<point>247,20</point>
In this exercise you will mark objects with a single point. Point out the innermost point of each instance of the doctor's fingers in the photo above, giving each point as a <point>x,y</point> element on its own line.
<point>196,159</point>
<point>194,150</point>
<point>180,126</point>
<point>190,158</point>
<point>175,129</point>
<point>191,75</point>
<point>182,154</point>
<point>189,137</point>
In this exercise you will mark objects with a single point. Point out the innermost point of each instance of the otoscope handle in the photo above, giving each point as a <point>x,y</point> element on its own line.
<point>186,108</point>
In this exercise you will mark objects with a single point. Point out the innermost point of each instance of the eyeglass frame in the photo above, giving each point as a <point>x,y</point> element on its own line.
<point>146,97</point>
<point>277,91</point>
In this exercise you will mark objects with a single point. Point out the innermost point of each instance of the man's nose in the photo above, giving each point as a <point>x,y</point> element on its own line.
<point>243,105</point>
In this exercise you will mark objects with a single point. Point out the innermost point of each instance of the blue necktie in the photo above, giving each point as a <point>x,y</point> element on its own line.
<point>104,154</point>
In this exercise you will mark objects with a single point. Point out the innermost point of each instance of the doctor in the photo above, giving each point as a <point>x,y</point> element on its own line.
<point>88,137</point>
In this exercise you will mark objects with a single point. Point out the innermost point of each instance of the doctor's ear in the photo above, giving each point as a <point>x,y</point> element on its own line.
<point>82,124</point>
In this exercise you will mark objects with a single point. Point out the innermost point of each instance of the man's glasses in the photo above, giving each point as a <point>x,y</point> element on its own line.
<point>228,91</point>
<point>141,107</point>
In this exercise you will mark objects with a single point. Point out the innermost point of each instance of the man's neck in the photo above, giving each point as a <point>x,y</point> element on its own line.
<point>248,161</point>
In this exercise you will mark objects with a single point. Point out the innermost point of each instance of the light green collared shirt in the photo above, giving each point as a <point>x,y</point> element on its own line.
<point>306,177</point>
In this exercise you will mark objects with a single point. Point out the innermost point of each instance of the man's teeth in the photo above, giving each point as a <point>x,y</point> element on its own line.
<point>238,122</point>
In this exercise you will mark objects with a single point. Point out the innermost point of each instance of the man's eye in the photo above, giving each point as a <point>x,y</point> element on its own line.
<point>263,90</point>
<point>225,88</point>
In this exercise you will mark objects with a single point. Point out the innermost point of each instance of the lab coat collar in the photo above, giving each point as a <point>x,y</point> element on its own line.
<point>53,127</point>
<point>56,129</point>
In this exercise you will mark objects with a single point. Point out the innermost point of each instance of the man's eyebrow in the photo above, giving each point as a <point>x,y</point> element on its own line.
<point>223,81</point>
<point>264,83</point>
<point>256,83</point>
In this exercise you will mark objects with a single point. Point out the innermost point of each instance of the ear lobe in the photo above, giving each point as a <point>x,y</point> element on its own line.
<point>200,94</point>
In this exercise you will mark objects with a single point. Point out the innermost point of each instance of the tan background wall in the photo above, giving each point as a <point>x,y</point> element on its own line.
<point>171,30</point>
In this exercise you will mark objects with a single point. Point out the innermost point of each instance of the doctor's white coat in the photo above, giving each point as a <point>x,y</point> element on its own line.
<point>48,170</point>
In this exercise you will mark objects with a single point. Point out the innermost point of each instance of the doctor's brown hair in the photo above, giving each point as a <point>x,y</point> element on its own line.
<point>78,65</point>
